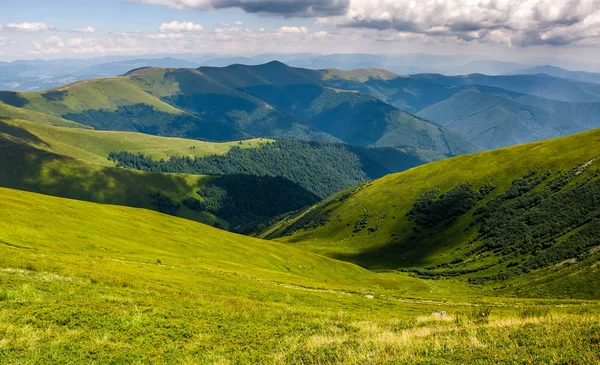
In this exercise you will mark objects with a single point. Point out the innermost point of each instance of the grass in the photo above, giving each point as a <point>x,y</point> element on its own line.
<point>86,287</point>
<point>104,93</point>
<point>390,240</point>
<point>95,146</point>
<point>394,195</point>
<point>8,112</point>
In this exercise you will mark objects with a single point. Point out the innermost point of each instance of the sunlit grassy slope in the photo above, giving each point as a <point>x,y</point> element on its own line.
<point>11,112</point>
<point>72,163</point>
<point>369,225</point>
<point>107,93</point>
<point>108,284</point>
<point>95,146</point>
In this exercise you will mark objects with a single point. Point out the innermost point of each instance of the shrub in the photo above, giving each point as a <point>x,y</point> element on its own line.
<point>480,315</point>
<point>534,312</point>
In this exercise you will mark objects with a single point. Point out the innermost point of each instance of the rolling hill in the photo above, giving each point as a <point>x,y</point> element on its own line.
<point>488,116</point>
<point>82,166</point>
<point>322,168</point>
<point>521,219</point>
<point>103,283</point>
<point>270,100</point>
<point>38,158</point>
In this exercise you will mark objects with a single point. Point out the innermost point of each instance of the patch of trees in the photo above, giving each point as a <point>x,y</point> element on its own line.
<point>432,208</point>
<point>244,201</point>
<point>541,220</point>
<point>164,204</point>
<point>536,222</point>
<point>322,168</point>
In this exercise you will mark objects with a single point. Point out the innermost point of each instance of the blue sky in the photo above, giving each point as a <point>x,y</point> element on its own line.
<point>503,29</point>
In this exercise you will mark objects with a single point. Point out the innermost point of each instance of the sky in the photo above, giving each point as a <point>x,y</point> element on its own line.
<point>514,30</point>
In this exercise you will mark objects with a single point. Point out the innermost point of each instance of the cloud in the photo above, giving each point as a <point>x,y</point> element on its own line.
<point>166,36</point>
<point>51,45</point>
<point>176,26</point>
<point>85,30</point>
<point>27,27</point>
<point>4,41</point>
<point>286,8</point>
<point>521,23</point>
<point>293,30</point>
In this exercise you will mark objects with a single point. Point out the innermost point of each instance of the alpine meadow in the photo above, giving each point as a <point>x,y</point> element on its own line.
<point>300,182</point>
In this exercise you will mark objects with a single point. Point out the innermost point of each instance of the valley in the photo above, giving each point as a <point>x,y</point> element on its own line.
<point>271,214</point>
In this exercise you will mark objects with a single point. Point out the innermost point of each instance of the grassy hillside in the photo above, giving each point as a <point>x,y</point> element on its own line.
<point>480,110</point>
<point>11,112</point>
<point>502,218</point>
<point>495,121</point>
<point>95,146</point>
<point>107,284</point>
<point>270,100</point>
<point>27,164</point>
<point>322,168</point>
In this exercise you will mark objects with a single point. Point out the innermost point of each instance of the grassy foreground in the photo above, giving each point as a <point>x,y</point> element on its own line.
<point>108,284</point>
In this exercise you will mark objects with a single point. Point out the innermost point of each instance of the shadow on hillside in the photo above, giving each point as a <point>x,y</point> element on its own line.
<point>26,168</point>
<point>18,134</point>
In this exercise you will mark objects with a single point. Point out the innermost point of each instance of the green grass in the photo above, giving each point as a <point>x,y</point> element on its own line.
<point>95,146</point>
<point>105,93</point>
<point>392,243</point>
<point>362,75</point>
<point>86,287</point>
<point>11,112</point>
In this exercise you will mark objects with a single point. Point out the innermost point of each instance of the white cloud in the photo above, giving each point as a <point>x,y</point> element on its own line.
<point>166,36</point>
<point>293,30</point>
<point>85,30</point>
<point>522,23</point>
<point>5,41</point>
<point>322,35</point>
<point>176,26</point>
<point>55,41</point>
<point>27,27</point>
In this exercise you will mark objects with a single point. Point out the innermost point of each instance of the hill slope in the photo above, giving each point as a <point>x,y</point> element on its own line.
<point>322,168</point>
<point>115,284</point>
<point>501,217</point>
<point>31,163</point>
<point>488,116</point>
<point>270,100</point>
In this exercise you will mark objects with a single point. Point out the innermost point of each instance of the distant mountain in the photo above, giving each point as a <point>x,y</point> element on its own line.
<point>563,73</point>
<point>488,116</point>
<point>495,121</point>
<point>537,85</point>
<point>121,67</point>
<point>269,100</point>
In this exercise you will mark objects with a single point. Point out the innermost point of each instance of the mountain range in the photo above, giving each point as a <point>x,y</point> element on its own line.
<point>273,214</point>
<point>270,100</point>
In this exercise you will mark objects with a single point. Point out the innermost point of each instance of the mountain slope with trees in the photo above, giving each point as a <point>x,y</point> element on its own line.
<point>505,218</point>
<point>234,102</point>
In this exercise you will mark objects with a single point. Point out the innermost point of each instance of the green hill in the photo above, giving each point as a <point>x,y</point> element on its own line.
<point>322,168</point>
<point>31,162</point>
<point>487,111</point>
<point>95,146</point>
<point>110,284</point>
<point>521,219</point>
<point>270,100</point>
<point>495,121</point>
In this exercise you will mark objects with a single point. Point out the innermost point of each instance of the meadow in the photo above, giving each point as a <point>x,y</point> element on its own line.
<point>110,284</point>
